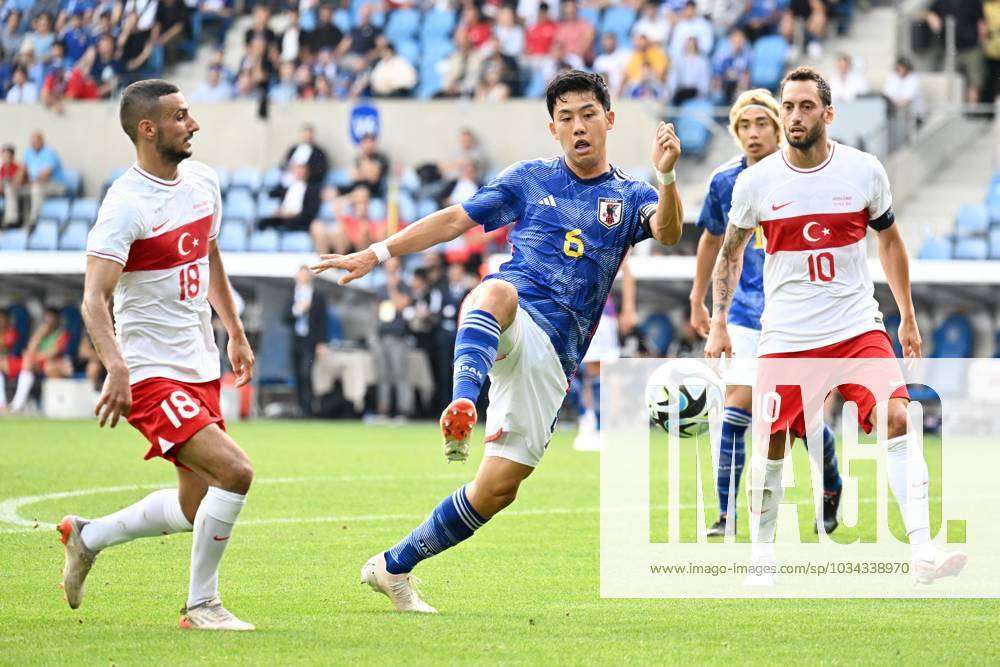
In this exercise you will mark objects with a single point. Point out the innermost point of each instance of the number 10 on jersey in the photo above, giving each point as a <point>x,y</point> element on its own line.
<point>190,279</point>
<point>821,267</point>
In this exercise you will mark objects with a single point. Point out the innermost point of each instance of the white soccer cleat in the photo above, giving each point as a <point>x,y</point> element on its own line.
<point>211,615</point>
<point>79,559</point>
<point>935,563</point>
<point>587,441</point>
<point>397,587</point>
<point>763,565</point>
<point>457,422</point>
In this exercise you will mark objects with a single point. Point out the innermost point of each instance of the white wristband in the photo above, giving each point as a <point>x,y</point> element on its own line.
<point>666,178</point>
<point>381,250</point>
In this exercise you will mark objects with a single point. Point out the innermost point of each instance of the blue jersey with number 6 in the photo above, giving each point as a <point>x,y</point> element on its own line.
<point>569,241</point>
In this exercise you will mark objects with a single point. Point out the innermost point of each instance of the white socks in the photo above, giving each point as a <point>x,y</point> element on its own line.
<point>159,513</point>
<point>25,380</point>
<point>213,524</point>
<point>908,479</point>
<point>763,518</point>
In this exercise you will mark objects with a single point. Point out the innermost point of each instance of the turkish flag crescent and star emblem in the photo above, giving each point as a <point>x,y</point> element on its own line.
<point>609,211</point>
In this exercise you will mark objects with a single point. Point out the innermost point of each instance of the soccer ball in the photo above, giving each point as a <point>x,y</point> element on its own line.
<point>688,386</point>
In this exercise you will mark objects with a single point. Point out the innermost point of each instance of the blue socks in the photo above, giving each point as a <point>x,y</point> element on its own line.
<point>831,474</point>
<point>475,351</point>
<point>451,522</point>
<point>732,455</point>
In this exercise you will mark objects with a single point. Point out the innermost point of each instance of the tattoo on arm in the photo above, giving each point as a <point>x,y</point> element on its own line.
<point>725,277</point>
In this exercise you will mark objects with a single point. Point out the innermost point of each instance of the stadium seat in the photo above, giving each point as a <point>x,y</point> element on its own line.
<point>402,25</point>
<point>659,330</point>
<point>326,211</point>
<point>954,338</point>
<point>409,49</point>
<point>14,240</point>
<point>113,175</point>
<point>334,327</point>
<point>73,181</point>
<point>342,19</point>
<point>993,194</point>
<point>55,208</point>
<point>971,248</point>
<point>267,206</point>
<point>45,236</point>
<point>296,242</point>
<point>224,178</point>
<point>338,178</point>
<point>995,243</point>
<point>971,219</point>
<point>246,178</point>
<point>591,15</point>
<point>232,237</point>
<point>272,179</point>
<point>692,127</point>
<point>618,20</point>
<point>377,209</point>
<point>74,237</point>
<point>767,62</point>
<point>240,205</point>
<point>430,81</point>
<point>435,50</point>
<point>84,209</point>
<point>407,207</point>
<point>425,207</point>
<point>438,24</point>
<point>264,241</point>
<point>935,247</point>
<point>994,213</point>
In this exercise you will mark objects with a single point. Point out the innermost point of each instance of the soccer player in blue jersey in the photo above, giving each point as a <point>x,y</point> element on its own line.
<point>528,325</point>
<point>753,122</point>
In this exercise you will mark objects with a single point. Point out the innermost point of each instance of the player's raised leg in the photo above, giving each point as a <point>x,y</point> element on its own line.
<point>489,309</point>
<point>225,469</point>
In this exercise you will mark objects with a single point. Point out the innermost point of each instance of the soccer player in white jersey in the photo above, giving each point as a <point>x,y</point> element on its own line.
<point>815,200</point>
<point>153,247</point>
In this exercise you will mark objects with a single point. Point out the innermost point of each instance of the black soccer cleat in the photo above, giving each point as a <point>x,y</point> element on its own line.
<point>718,528</point>
<point>831,502</point>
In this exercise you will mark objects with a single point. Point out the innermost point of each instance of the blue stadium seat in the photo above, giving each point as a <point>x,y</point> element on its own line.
<point>266,206</point>
<point>971,219</point>
<point>114,173</point>
<point>618,20</point>
<point>591,15</point>
<point>994,212</point>
<point>692,127</point>
<point>14,240</point>
<point>995,243</point>
<point>407,207</point>
<point>342,19</point>
<point>954,338</point>
<point>74,237</point>
<point>935,247</point>
<point>246,178</point>
<point>659,330</point>
<point>435,49</point>
<point>438,24</point>
<point>326,211</point>
<point>767,62</point>
<point>296,242</point>
<point>425,207</point>
<point>377,209</point>
<point>224,177</point>
<point>84,209</point>
<point>993,194</point>
<point>232,237</point>
<point>338,178</point>
<point>45,236</point>
<point>240,205</point>
<point>430,81</point>
<point>272,179</point>
<point>971,248</point>
<point>409,49</point>
<point>264,241</point>
<point>402,25</point>
<point>334,327</point>
<point>55,208</point>
<point>73,181</point>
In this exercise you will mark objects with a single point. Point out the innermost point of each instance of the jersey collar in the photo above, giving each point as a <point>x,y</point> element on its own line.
<point>596,180</point>
<point>155,179</point>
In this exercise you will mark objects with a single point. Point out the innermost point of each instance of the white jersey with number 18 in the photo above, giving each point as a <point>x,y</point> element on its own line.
<point>817,288</point>
<point>160,231</point>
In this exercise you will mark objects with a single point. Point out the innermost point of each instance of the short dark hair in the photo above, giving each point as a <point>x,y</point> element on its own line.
<point>8,148</point>
<point>806,73</point>
<point>576,81</point>
<point>142,100</point>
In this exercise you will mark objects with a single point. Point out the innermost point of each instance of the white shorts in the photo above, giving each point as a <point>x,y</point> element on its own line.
<point>527,388</point>
<point>604,345</point>
<point>742,369</point>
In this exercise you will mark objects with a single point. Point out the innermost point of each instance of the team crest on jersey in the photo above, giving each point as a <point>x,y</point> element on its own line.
<point>609,211</point>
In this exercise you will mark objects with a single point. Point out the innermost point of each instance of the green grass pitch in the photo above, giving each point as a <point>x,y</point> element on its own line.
<point>326,497</point>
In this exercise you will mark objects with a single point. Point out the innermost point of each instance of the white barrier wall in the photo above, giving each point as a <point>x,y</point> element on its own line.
<point>89,138</point>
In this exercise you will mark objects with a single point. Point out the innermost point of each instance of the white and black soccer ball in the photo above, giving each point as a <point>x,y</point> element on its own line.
<point>690,387</point>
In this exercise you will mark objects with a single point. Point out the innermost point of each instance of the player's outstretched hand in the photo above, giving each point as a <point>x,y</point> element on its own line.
<point>666,147</point>
<point>241,359</point>
<point>357,264</point>
<point>115,400</point>
<point>909,338</point>
<point>701,319</point>
<point>718,344</point>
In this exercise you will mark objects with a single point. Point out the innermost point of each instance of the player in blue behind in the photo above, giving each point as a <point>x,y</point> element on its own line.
<point>528,325</point>
<point>753,122</point>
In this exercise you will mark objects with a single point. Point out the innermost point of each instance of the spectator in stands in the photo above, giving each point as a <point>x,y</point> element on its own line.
<point>56,76</point>
<point>507,67</point>
<point>258,66</point>
<point>539,37</point>
<point>690,76</point>
<point>77,37</point>
<point>136,47</point>
<point>214,88</point>
<point>646,58</point>
<point>612,62</point>
<point>45,177</point>
<point>10,365</point>
<point>991,49</point>
<point>11,34</point>
<point>812,15</point>
<point>46,354</point>
<point>50,8</point>
<point>492,88</point>
<point>392,345</point>
<point>41,38</point>
<point>106,69</point>
<point>652,23</point>
<point>260,28</point>
<point>300,202</point>
<point>216,19</point>
<point>371,167</point>
<point>429,298</point>
<point>325,35</point>
<point>574,34</point>
<point>80,85</point>
<point>306,315</point>
<point>322,89</point>
<point>466,185</point>
<point>469,151</point>
<point>725,14</point>
<point>293,39</point>
<point>475,25</point>
<point>762,18</point>
<point>649,85</point>
<point>393,75</point>
<point>12,178</point>
<point>353,229</point>
<point>902,87</point>
<point>847,83</point>
<point>285,89</point>
<point>509,32</point>
<point>306,152</point>
<point>731,66</point>
<point>173,18</point>
<point>22,91</point>
<point>360,40</point>
<point>689,25</point>
<point>970,35</point>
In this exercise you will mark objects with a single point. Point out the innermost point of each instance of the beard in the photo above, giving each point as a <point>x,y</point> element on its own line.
<point>170,153</point>
<point>809,139</point>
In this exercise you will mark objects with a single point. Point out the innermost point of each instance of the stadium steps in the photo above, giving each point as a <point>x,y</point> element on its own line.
<point>867,42</point>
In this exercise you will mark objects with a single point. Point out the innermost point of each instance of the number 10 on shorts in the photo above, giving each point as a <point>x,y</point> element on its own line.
<point>179,406</point>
